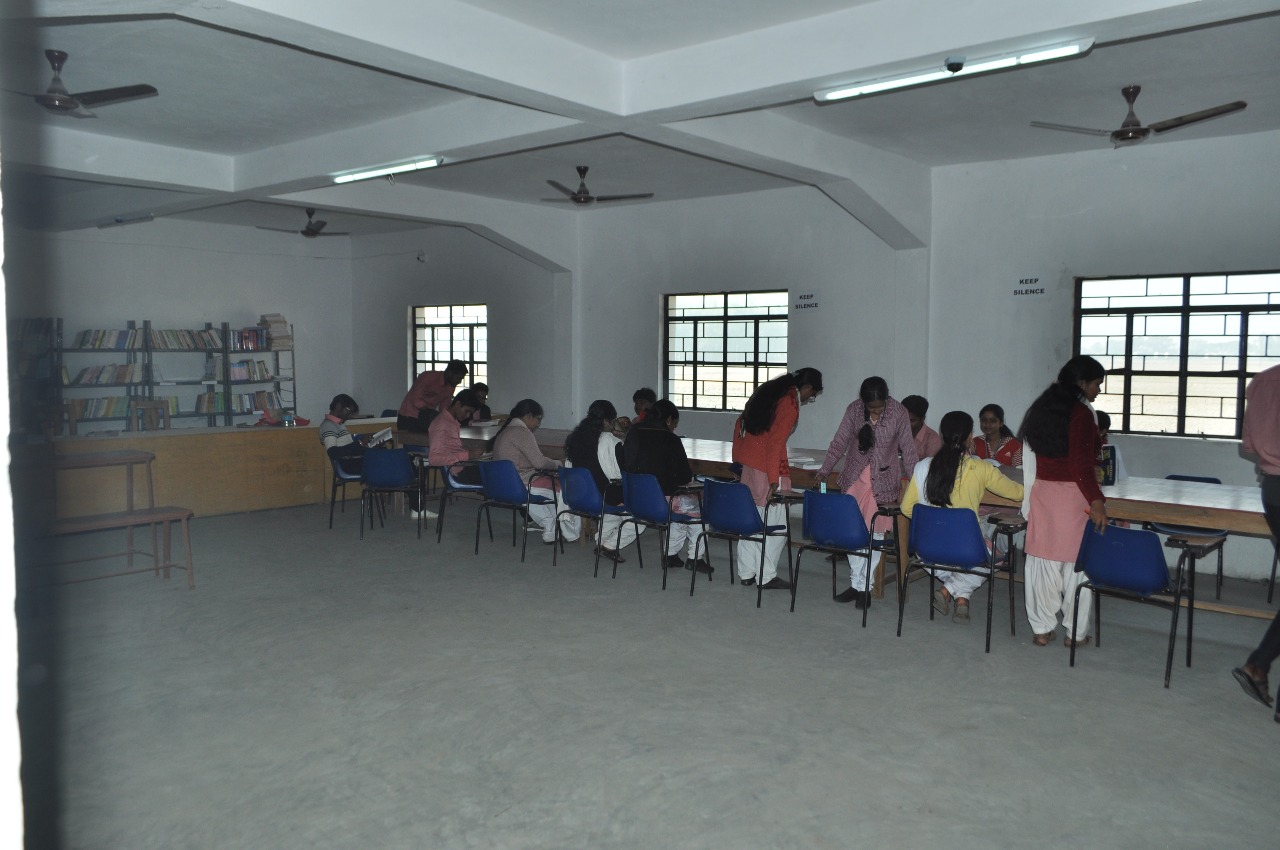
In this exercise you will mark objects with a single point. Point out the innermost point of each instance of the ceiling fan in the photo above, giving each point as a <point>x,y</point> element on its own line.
<point>56,99</point>
<point>583,196</point>
<point>311,231</point>
<point>1131,130</point>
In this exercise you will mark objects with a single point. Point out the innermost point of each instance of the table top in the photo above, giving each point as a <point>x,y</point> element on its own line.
<point>88,460</point>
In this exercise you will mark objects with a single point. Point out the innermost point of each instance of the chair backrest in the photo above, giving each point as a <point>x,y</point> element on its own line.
<point>1125,558</point>
<point>579,490</point>
<point>727,507</point>
<point>502,483</point>
<point>947,536</point>
<point>388,468</point>
<point>643,498</point>
<point>1204,479</point>
<point>834,519</point>
<point>340,473</point>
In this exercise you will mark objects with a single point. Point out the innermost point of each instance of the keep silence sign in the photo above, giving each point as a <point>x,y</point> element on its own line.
<point>805,301</point>
<point>1032,287</point>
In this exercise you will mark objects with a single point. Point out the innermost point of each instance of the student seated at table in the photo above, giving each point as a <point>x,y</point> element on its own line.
<point>954,479</point>
<point>652,448</point>
<point>348,451</point>
<point>593,445</point>
<point>927,440</point>
<point>996,441</point>
<point>515,442</point>
<point>483,413</point>
<point>641,400</point>
<point>445,436</point>
<point>430,391</point>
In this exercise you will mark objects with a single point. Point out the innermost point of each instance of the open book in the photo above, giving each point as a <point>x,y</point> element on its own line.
<point>379,438</point>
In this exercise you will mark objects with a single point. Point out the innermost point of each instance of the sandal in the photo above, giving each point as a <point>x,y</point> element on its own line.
<point>611,554</point>
<point>1255,688</point>
<point>1044,639</point>
<point>1084,641</point>
<point>941,601</point>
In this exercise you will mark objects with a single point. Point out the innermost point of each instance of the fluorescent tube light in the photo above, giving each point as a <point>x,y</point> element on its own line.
<point>417,165</point>
<point>978,66</point>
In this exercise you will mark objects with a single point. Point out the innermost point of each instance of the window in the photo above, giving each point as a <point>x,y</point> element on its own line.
<point>453,332</point>
<point>721,345</point>
<point>1179,350</point>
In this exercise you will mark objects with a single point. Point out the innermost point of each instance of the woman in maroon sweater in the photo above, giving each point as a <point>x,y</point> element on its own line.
<point>1061,436</point>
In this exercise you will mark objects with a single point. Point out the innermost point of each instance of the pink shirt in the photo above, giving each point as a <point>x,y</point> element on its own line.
<point>928,443</point>
<point>1262,420</point>
<point>445,437</point>
<point>428,390</point>
<point>892,435</point>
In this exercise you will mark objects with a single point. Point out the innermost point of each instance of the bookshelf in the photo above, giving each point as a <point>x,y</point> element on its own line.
<point>215,375</point>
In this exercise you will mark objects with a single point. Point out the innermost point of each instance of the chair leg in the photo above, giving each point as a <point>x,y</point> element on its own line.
<point>1075,620</point>
<point>1191,612</point>
<point>902,582</point>
<point>363,496</point>
<point>1275,560</point>
<point>699,542</point>
<point>760,575</point>
<point>866,594</point>
<point>444,500</point>
<point>484,508</point>
<point>991,599</point>
<point>1173,628</point>
<point>524,544</point>
<point>1218,589</point>
<point>333,498</point>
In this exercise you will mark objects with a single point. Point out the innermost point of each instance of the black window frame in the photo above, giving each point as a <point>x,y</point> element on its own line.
<point>477,369</point>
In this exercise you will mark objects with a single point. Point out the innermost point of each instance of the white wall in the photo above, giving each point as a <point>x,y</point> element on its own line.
<point>795,239</point>
<point>181,274</point>
<point>1170,207</point>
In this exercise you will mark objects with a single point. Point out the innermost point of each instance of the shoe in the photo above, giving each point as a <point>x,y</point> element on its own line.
<point>962,613</point>
<point>1084,641</point>
<point>1251,686</point>
<point>777,583</point>
<point>699,565</point>
<point>675,562</point>
<point>942,601</point>
<point>425,513</point>
<point>1044,639</point>
<point>846,596</point>
<point>862,601</point>
<point>748,582</point>
<point>611,554</point>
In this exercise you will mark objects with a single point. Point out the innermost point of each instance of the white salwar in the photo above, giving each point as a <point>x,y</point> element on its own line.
<point>749,551</point>
<point>545,516</point>
<point>608,536</point>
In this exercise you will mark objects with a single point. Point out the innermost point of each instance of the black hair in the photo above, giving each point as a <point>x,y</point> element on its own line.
<point>457,367</point>
<point>1104,421</point>
<point>644,394</point>
<point>480,387</point>
<point>1045,426</point>
<point>758,413</point>
<point>874,388</point>
<point>343,400</point>
<point>999,414</point>
<point>467,398</point>
<point>916,405</point>
<point>582,441</point>
<point>955,429</point>
<point>664,410</point>
<point>524,407</point>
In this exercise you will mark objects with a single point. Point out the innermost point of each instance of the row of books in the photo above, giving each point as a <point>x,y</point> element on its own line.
<point>110,373</point>
<point>115,339</point>
<point>240,402</point>
<point>112,407</point>
<point>248,339</point>
<point>279,331</point>
<point>186,340</point>
<point>250,370</point>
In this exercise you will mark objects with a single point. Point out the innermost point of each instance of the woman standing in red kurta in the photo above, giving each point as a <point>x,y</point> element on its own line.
<point>760,445</point>
<point>1062,442</point>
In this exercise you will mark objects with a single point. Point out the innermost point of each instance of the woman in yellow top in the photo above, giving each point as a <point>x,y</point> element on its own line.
<point>954,479</point>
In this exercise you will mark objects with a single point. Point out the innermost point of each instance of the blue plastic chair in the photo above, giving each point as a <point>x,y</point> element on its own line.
<point>503,488</point>
<point>833,523</point>
<point>949,539</point>
<point>1128,563</point>
<point>385,471</point>
<point>581,497</point>
<point>449,489</point>
<point>1189,530</point>
<point>729,513</point>
<point>341,478</point>
<point>647,505</point>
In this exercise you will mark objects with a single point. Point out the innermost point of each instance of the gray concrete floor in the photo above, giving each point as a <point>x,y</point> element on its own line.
<point>316,691</point>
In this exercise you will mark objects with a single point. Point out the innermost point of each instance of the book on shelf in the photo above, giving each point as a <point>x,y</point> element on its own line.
<point>279,331</point>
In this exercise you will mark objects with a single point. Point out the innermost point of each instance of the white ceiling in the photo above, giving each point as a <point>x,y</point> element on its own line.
<point>683,98</point>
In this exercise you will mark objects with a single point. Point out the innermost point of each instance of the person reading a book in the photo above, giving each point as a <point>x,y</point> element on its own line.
<point>429,392</point>
<point>445,439</point>
<point>346,450</point>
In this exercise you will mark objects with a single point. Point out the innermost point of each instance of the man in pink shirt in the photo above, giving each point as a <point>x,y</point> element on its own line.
<point>430,390</point>
<point>445,438</point>
<point>1261,438</point>
<point>928,441</point>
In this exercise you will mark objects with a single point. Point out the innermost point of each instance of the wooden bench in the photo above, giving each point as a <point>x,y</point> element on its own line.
<point>153,518</point>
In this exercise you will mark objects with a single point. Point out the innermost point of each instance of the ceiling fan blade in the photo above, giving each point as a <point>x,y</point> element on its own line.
<point>278,229</point>
<point>557,200</point>
<point>1067,128</point>
<point>316,225</point>
<point>624,197</point>
<point>559,187</point>
<point>343,233</point>
<point>1197,117</point>
<point>119,94</point>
